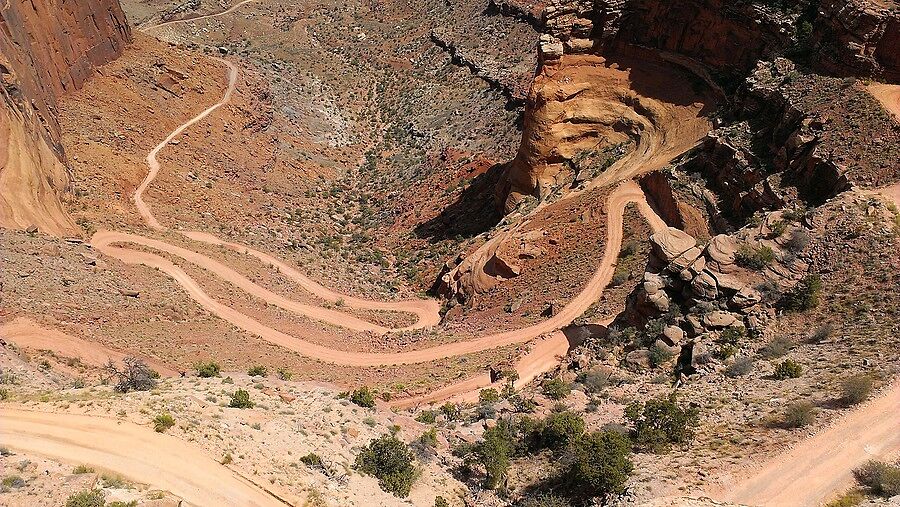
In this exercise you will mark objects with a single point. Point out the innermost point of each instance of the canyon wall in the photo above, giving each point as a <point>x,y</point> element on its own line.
<point>47,48</point>
<point>710,38</point>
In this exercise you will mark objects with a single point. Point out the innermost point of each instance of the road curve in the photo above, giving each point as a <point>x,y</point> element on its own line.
<point>625,193</point>
<point>138,453</point>
<point>198,18</point>
<point>820,467</point>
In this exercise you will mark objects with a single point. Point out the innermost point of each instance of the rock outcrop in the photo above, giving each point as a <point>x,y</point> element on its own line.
<point>47,48</point>
<point>855,37</point>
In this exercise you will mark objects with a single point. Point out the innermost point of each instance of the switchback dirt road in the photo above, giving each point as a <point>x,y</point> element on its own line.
<point>819,468</point>
<point>139,454</point>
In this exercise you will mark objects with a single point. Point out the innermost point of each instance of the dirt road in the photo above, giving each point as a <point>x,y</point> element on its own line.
<point>139,454</point>
<point>199,18</point>
<point>819,468</point>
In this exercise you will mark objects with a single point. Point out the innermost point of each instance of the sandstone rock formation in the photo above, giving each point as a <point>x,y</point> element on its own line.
<point>47,47</point>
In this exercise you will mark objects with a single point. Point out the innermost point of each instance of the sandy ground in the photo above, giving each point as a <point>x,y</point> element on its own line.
<point>888,95</point>
<point>818,468</point>
<point>138,453</point>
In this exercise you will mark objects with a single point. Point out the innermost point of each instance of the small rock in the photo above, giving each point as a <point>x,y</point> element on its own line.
<point>673,335</point>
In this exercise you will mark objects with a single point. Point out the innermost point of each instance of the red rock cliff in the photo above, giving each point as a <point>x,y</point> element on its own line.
<point>47,48</point>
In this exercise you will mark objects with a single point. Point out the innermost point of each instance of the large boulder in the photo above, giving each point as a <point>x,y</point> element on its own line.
<point>670,244</point>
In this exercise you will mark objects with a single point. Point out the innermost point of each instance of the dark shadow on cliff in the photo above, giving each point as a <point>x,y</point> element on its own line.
<point>474,211</point>
<point>651,76</point>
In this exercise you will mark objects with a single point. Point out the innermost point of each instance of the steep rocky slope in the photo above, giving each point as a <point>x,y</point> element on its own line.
<point>47,48</point>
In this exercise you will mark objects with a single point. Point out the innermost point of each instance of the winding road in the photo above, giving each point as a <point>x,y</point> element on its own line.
<point>426,311</point>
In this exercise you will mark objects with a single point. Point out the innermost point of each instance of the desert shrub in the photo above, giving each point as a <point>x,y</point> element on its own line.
<point>800,414</point>
<point>489,395</point>
<point>561,428</point>
<point>451,411</point>
<point>777,347</point>
<point>440,501</point>
<point>135,375</point>
<point>851,498</point>
<point>754,257</point>
<point>427,417</point>
<point>119,503</point>
<point>207,369</point>
<point>284,373</point>
<point>798,241</point>
<point>115,481</point>
<point>89,498</point>
<point>595,381</point>
<point>544,501</point>
<point>522,405</point>
<point>240,399</point>
<point>83,469</point>
<point>493,452</point>
<point>821,333</point>
<point>788,369</point>
<point>428,438</point>
<point>803,296</point>
<point>879,477</point>
<point>732,335</point>
<point>740,367</point>
<point>311,460</point>
<point>4,394</point>
<point>659,355</point>
<point>13,481</point>
<point>598,464</point>
<point>556,388</point>
<point>389,460</point>
<point>162,422</point>
<point>364,397</point>
<point>661,422</point>
<point>257,371</point>
<point>856,389</point>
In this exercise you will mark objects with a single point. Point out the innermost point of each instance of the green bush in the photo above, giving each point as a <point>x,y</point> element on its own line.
<point>856,389</point>
<point>599,464</point>
<point>803,296</point>
<point>208,369</point>
<point>788,369</point>
<point>661,422</point>
<point>428,438</point>
<point>118,503</point>
<point>364,397</point>
<point>257,371</point>
<point>439,501</point>
<point>312,460</point>
<point>556,388</point>
<point>659,355</point>
<point>427,417</point>
<point>83,469</point>
<point>800,414</point>
<point>879,477</point>
<point>561,428</point>
<point>162,422</point>
<point>240,399</point>
<point>494,451</point>
<point>451,411</point>
<point>754,257</point>
<point>90,498</point>
<point>489,395</point>
<point>13,481</point>
<point>390,461</point>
